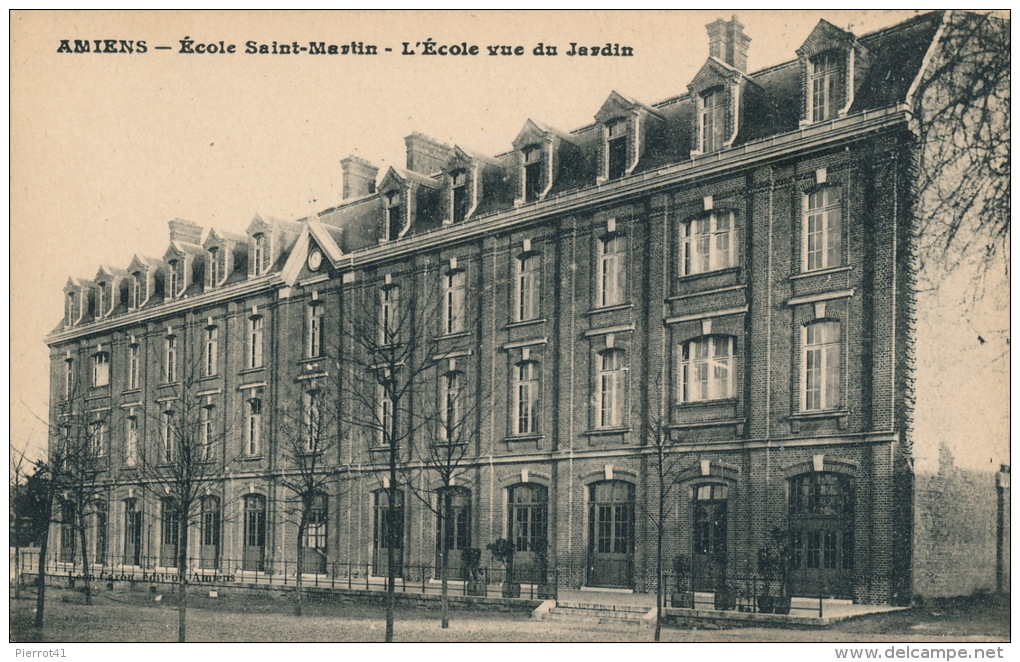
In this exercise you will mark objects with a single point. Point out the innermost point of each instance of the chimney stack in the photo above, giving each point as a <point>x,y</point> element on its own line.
<point>359,177</point>
<point>424,154</point>
<point>727,42</point>
<point>186,231</point>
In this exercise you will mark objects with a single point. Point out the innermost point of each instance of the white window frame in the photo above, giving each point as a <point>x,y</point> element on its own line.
<point>612,271</point>
<point>205,432</point>
<point>824,68</point>
<point>256,338</point>
<point>316,313</point>
<point>826,378</point>
<point>174,278</point>
<point>168,437</point>
<point>170,359</point>
<point>451,390</point>
<point>136,289</point>
<point>134,365</point>
<point>101,369</point>
<point>212,349</point>
<point>527,395</point>
<point>131,441</point>
<point>707,356</point>
<point>611,388</point>
<point>529,269</point>
<point>707,249</point>
<point>312,421</point>
<point>253,428</point>
<point>454,290</point>
<point>100,298</point>
<point>98,433</point>
<point>385,413</point>
<point>826,251</point>
<point>213,255</point>
<point>389,310</point>
<point>259,245</point>
<point>712,120</point>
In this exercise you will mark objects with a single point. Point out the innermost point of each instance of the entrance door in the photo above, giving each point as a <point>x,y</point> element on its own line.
<point>611,534</point>
<point>313,547</point>
<point>209,549</point>
<point>132,533</point>
<point>708,570</point>
<point>388,533</point>
<point>254,533</point>
<point>821,535</point>
<point>528,517</point>
<point>170,534</point>
<point>457,534</point>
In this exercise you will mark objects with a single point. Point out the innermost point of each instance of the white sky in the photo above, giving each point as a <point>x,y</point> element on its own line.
<point>105,149</point>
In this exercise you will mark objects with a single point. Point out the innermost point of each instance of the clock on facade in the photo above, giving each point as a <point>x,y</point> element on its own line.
<point>314,259</point>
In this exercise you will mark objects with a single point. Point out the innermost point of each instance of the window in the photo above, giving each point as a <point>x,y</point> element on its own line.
<point>68,515</point>
<point>131,441</point>
<point>611,387</point>
<point>170,359</point>
<point>394,216</point>
<point>529,517</point>
<point>214,266</point>
<point>175,278</point>
<point>461,195</point>
<point>315,331</point>
<point>98,437</point>
<point>315,527</point>
<point>823,229</point>
<point>134,364</point>
<point>528,267</point>
<point>453,530</point>
<point>205,433</point>
<point>820,493</point>
<point>70,314</point>
<point>253,428</point>
<point>385,414</point>
<point>612,270</point>
<point>137,289</point>
<point>451,388</point>
<point>526,392</point>
<point>713,120</point>
<point>824,69</point>
<point>388,532</point>
<point>389,309</point>
<point>255,327</point>
<point>209,535</point>
<point>710,520</point>
<point>532,173</point>
<point>312,421</point>
<point>132,532</point>
<point>100,521</point>
<point>254,532</point>
<point>170,528</point>
<point>169,440</point>
<point>616,149</point>
<point>453,299</point>
<point>258,253</point>
<point>821,366</point>
<point>707,368</point>
<point>821,523</point>
<point>708,244</point>
<point>212,344</point>
<point>68,377</point>
<point>101,299</point>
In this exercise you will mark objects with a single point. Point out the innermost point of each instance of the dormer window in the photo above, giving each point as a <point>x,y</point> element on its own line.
<point>461,196</point>
<point>214,266</point>
<point>137,289</point>
<point>102,300</point>
<point>713,120</point>
<point>616,149</point>
<point>824,69</point>
<point>175,278</point>
<point>394,215</point>
<point>259,246</point>
<point>70,309</point>
<point>532,173</point>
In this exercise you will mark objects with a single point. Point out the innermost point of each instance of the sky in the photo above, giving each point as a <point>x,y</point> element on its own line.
<point>107,148</point>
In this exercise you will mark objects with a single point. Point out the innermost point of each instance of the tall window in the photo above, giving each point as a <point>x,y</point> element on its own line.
<point>101,369</point>
<point>170,528</point>
<point>259,246</point>
<point>713,120</point>
<point>209,536</point>
<point>532,173</point>
<point>137,289</point>
<point>451,388</point>
<point>312,421</point>
<point>823,229</point>
<point>170,359</point>
<point>68,517</point>
<point>611,388</point>
<point>214,266</point>
<point>821,527</point>
<point>529,516</point>
<point>526,392</point>
<point>315,527</point>
<point>710,520</point>
<point>70,309</point>
<point>453,298</point>
<point>169,442</point>
<point>134,363</point>
<point>254,532</point>
<point>820,366</point>
<point>394,215</point>
<point>212,349</point>
<point>616,149</point>
<point>101,299</point>
<point>824,69</point>
<point>255,327</point>
<point>461,195</point>
<point>131,441</point>
<point>528,267</point>
<point>98,434</point>
<point>708,244</point>
<point>453,530</point>
<point>175,279</point>
<point>205,433</point>
<point>315,331</point>
<point>612,270</point>
<point>707,368</point>
<point>132,532</point>
<point>68,377</point>
<point>389,309</point>
<point>385,414</point>
<point>388,532</point>
<point>253,428</point>
<point>100,520</point>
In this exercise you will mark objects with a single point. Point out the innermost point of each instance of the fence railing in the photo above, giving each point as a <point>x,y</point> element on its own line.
<point>271,573</point>
<point>749,593</point>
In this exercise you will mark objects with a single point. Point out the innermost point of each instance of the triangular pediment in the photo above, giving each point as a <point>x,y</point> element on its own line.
<point>391,180</point>
<point>258,224</point>
<point>825,36</point>
<point>530,133</point>
<point>712,74</point>
<point>616,105</point>
<point>458,158</point>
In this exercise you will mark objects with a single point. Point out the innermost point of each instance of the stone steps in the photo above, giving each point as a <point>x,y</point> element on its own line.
<point>596,614</point>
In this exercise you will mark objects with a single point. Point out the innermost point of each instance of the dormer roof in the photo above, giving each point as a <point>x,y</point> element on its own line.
<point>459,155</point>
<point>714,72</point>
<point>534,130</point>
<point>217,237</point>
<point>397,177</point>
<point>617,104</point>
<point>823,37</point>
<point>144,263</point>
<point>109,273</point>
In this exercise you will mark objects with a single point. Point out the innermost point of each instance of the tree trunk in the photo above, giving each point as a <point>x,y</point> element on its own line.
<point>391,583</point>
<point>40,601</point>
<point>444,522</point>
<point>17,563</point>
<point>182,576</point>
<point>658,560</point>
<point>84,554</point>
<point>298,592</point>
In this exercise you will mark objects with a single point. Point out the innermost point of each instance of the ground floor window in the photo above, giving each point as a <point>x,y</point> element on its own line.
<point>528,517</point>
<point>67,532</point>
<point>209,535</point>
<point>611,533</point>
<point>170,528</point>
<point>453,532</point>
<point>821,534</point>
<point>313,542</point>
<point>388,533</point>
<point>254,554</point>
<point>132,532</point>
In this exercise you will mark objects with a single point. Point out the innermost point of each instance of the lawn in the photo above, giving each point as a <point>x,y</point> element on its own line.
<point>134,616</point>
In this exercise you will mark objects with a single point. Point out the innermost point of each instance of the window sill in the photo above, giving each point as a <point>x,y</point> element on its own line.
<point>311,359</point>
<point>523,437</point>
<point>251,458</point>
<point>600,432</point>
<point>379,449</point>
<point>458,334</point>
<point>209,378</point>
<point>715,423</point>
<point>537,320</point>
<point>706,403</point>
<point>609,309</point>
<point>251,371</point>
<point>707,274</point>
<point>169,385</point>
<point>821,272</point>
<point>841,416</point>
<point>131,391</point>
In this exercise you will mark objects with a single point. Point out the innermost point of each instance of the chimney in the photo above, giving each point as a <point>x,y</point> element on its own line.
<point>727,42</point>
<point>359,177</point>
<point>424,154</point>
<point>186,231</point>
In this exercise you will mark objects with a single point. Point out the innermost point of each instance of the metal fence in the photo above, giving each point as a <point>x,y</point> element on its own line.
<point>750,594</point>
<point>422,579</point>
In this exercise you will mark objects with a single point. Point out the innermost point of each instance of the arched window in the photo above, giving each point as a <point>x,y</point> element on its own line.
<point>526,394</point>
<point>388,533</point>
<point>209,536</point>
<point>132,532</point>
<point>254,532</point>
<point>821,512</point>
<point>611,393</point>
<point>708,243</point>
<point>707,367</point>
<point>820,366</point>
<point>313,543</point>
<point>170,531</point>
<point>528,519</point>
<point>453,532</point>
<point>450,399</point>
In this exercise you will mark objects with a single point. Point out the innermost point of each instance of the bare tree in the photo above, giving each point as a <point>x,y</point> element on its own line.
<point>962,108</point>
<point>17,505</point>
